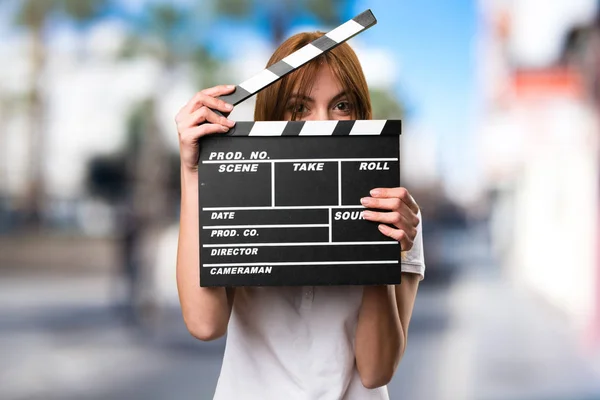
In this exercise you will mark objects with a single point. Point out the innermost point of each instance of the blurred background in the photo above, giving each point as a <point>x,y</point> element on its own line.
<point>500,101</point>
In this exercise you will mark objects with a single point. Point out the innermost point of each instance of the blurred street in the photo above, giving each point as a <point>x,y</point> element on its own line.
<point>478,337</point>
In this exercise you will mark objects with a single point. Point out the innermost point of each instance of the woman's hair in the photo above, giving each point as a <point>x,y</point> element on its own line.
<point>271,102</point>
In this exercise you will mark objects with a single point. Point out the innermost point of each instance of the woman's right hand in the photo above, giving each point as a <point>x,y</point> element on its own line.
<point>196,119</point>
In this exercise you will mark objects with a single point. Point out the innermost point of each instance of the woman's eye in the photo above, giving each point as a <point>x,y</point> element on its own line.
<point>342,106</point>
<point>298,108</point>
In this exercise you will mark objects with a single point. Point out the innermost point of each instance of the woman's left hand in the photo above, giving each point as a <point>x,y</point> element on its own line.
<point>396,208</point>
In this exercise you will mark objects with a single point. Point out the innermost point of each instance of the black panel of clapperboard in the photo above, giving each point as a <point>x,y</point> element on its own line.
<point>282,210</point>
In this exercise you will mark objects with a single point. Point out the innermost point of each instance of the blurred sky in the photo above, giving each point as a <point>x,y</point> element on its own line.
<point>432,42</point>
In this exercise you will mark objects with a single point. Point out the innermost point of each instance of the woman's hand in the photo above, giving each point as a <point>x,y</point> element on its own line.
<point>386,310</point>
<point>196,119</point>
<point>402,213</point>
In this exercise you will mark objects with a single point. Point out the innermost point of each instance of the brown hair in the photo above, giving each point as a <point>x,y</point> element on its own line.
<point>271,102</point>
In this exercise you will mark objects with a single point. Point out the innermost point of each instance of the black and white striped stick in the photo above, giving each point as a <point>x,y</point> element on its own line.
<point>300,57</point>
<point>316,128</point>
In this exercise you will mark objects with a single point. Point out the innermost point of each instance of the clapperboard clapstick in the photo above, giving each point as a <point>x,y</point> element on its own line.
<point>295,60</point>
<point>280,200</point>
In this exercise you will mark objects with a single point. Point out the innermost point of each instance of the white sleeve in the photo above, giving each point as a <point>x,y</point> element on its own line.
<point>413,260</point>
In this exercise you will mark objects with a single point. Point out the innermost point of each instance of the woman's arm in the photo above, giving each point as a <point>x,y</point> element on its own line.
<point>205,311</point>
<point>382,330</point>
<point>385,312</point>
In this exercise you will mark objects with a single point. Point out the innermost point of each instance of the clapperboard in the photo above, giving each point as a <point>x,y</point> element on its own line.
<point>280,201</point>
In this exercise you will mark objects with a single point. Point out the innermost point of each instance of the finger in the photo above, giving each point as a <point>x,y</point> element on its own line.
<point>409,224</point>
<point>219,90</point>
<point>409,217</point>
<point>192,104</point>
<point>202,100</point>
<point>398,235</point>
<point>191,135</point>
<point>393,218</point>
<point>199,99</point>
<point>392,204</point>
<point>398,192</point>
<point>390,218</point>
<point>217,104</point>
<point>205,114</point>
<point>215,118</point>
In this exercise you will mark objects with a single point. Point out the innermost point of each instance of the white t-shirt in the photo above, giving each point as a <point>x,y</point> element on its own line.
<point>297,343</point>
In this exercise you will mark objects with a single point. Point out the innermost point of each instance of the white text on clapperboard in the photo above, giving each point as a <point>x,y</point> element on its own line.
<point>262,155</point>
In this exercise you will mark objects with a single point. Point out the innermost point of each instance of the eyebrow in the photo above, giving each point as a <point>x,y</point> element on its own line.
<point>335,98</point>
<point>295,96</point>
<point>338,96</point>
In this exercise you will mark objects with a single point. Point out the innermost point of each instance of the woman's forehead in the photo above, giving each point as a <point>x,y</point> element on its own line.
<point>320,78</point>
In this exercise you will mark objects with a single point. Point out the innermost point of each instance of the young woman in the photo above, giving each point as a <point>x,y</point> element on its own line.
<point>341,342</point>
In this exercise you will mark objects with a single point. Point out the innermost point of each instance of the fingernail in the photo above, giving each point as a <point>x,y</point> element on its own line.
<point>230,123</point>
<point>375,192</point>
<point>364,201</point>
<point>230,86</point>
<point>366,214</point>
<point>224,128</point>
<point>228,106</point>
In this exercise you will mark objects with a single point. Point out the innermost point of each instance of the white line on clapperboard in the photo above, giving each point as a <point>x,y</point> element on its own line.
<point>297,160</point>
<point>272,183</point>
<point>297,244</point>
<point>278,208</point>
<point>266,226</point>
<point>339,184</point>
<point>262,264</point>
<point>330,226</point>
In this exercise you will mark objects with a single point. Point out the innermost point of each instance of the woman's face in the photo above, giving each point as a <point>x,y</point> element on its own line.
<point>326,101</point>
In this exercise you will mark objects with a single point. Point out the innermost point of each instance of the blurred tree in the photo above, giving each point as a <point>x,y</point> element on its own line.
<point>36,16</point>
<point>165,32</point>
<point>149,171</point>
<point>281,14</point>
<point>385,105</point>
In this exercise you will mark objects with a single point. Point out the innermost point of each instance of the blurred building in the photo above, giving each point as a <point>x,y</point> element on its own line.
<point>539,132</point>
<point>88,93</point>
